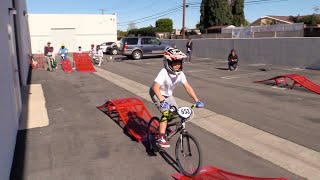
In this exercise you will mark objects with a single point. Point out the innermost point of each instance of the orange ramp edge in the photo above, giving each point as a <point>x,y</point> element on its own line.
<point>213,173</point>
<point>132,112</point>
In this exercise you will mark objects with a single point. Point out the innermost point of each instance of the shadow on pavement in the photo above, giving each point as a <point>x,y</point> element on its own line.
<point>19,158</point>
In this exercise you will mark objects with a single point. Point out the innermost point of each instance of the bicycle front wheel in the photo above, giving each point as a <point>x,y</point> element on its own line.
<point>188,155</point>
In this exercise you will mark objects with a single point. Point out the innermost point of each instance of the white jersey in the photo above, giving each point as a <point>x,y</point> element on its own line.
<point>169,81</point>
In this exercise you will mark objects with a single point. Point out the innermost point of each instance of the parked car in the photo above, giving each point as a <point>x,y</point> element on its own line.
<point>137,47</point>
<point>113,50</point>
<point>104,46</point>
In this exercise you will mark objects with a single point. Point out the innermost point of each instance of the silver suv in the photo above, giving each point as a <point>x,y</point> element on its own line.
<point>137,47</point>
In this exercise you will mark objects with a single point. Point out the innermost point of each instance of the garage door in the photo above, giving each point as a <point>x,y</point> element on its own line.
<point>66,36</point>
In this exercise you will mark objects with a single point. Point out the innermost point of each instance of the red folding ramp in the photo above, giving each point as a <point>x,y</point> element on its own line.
<point>298,79</point>
<point>83,62</point>
<point>132,112</point>
<point>213,173</point>
<point>66,66</point>
<point>37,61</point>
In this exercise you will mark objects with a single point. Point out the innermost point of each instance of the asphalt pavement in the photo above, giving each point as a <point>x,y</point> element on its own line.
<point>81,142</point>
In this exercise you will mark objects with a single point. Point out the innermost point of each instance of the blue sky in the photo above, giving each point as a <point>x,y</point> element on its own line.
<point>146,12</point>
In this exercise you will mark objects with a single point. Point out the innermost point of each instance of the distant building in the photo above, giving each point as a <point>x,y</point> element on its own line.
<point>73,30</point>
<point>217,29</point>
<point>271,20</point>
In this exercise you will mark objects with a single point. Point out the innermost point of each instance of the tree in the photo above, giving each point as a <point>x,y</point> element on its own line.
<point>295,19</point>
<point>164,25</point>
<point>121,34</point>
<point>238,13</point>
<point>311,20</point>
<point>146,31</point>
<point>215,13</point>
<point>316,9</point>
<point>132,25</point>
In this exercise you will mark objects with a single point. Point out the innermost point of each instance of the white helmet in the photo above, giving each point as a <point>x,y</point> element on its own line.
<point>170,55</point>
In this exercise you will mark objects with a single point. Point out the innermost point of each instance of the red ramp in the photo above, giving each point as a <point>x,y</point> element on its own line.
<point>66,66</point>
<point>132,112</point>
<point>37,61</point>
<point>213,173</point>
<point>83,62</point>
<point>298,79</point>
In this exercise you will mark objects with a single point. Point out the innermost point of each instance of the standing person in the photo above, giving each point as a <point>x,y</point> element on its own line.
<point>189,50</point>
<point>92,52</point>
<point>48,50</point>
<point>63,51</point>
<point>79,49</point>
<point>232,60</point>
<point>99,55</point>
<point>162,89</point>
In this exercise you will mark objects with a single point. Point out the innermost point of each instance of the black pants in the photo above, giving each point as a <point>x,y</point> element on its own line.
<point>232,64</point>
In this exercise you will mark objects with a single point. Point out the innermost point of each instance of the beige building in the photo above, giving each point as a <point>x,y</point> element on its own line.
<point>271,20</point>
<point>72,30</point>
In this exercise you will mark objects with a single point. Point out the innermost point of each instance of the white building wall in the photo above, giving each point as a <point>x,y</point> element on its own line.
<point>10,103</point>
<point>88,29</point>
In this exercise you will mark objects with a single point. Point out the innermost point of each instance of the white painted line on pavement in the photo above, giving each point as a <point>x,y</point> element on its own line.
<point>276,87</point>
<point>286,154</point>
<point>199,59</point>
<point>241,75</point>
<point>293,69</point>
<point>195,70</point>
<point>258,64</point>
<point>230,77</point>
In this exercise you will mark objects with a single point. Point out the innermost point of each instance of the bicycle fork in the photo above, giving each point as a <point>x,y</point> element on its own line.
<point>183,150</point>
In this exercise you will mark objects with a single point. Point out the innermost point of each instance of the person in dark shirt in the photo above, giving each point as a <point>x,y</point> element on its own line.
<point>189,50</point>
<point>48,50</point>
<point>233,60</point>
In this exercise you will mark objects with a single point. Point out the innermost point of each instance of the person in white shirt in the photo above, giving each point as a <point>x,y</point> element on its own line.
<point>162,88</point>
<point>98,55</point>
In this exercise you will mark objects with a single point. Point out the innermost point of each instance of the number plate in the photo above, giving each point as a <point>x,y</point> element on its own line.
<point>185,112</point>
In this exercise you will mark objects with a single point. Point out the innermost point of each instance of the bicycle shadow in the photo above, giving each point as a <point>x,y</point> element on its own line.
<point>171,161</point>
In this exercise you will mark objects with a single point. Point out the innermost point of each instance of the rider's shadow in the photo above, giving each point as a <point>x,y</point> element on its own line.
<point>171,161</point>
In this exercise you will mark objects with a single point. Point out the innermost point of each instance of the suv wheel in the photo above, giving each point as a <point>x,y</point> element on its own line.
<point>137,55</point>
<point>114,52</point>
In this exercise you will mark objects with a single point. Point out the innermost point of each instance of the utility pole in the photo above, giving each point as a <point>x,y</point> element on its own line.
<point>102,10</point>
<point>184,20</point>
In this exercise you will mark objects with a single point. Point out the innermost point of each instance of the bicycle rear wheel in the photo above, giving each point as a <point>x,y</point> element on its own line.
<point>188,155</point>
<point>153,132</point>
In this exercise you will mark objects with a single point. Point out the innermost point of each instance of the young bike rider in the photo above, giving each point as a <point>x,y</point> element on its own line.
<point>162,88</point>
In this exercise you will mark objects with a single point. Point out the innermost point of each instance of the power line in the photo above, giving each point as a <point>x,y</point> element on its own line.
<point>191,5</point>
<point>149,18</point>
<point>160,14</point>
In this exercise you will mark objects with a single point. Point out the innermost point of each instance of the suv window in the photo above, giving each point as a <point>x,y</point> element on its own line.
<point>146,41</point>
<point>130,41</point>
<point>155,41</point>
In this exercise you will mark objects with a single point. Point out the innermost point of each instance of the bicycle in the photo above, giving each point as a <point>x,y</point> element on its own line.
<point>187,147</point>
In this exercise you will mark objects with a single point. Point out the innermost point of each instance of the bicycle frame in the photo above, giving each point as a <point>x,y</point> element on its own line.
<point>180,127</point>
